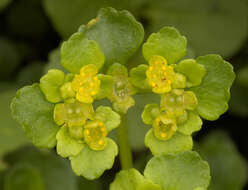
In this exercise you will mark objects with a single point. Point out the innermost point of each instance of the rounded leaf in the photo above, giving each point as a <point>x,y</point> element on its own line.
<point>35,114</point>
<point>78,51</point>
<point>168,43</point>
<point>110,118</point>
<point>50,85</point>
<point>91,164</point>
<point>138,77</point>
<point>151,111</point>
<point>214,92</point>
<point>177,143</point>
<point>118,34</point>
<point>185,170</point>
<point>117,70</point>
<point>193,71</point>
<point>192,124</point>
<point>106,86</point>
<point>66,145</point>
<point>132,180</point>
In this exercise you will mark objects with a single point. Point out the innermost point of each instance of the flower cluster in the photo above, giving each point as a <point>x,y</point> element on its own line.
<point>61,110</point>
<point>184,90</point>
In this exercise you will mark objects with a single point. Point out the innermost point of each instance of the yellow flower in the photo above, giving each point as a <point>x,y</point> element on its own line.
<point>86,84</point>
<point>164,127</point>
<point>160,75</point>
<point>95,133</point>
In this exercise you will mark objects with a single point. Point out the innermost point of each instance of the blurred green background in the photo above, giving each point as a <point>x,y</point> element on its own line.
<point>31,32</point>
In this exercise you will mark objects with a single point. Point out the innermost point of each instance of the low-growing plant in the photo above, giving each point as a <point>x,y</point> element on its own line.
<point>60,111</point>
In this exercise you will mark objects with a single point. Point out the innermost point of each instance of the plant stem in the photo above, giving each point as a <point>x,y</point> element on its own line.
<point>125,150</point>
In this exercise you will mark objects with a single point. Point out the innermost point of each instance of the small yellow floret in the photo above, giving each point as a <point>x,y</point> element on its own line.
<point>95,134</point>
<point>86,84</point>
<point>160,75</point>
<point>164,127</point>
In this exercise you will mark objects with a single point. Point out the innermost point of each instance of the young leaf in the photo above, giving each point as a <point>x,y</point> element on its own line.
<point>106,87</point>
<point>167,43</point>
<point>138,77</point>
<point>132,180</point>
<point>50,85</point>
<point>117,70</point>
<point>35,114</point>
<point>118,34</point>
<point>177,143</point>
<point>91,164</point>
<point>214,92</point>
<point>192,124</point>
<point>151,111</point>
<point>110,118</point>
<point>78,51</point>
<point>66,145</point>
<point>193,71</point>
<point>185,170</point>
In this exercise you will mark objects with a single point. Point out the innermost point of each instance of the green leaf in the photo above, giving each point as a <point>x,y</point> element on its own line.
<point>218,26</point>
<point>118,34</point>
<point>106,87</point>
<point>185,170</point>
<point>12,136</point>
<point>35,114</point>
<point>132,180</point>
<point>148,185</point>
<point>50,85</point>
<point>167,43</point>
<point>123,106</point>
<point>225,174</point>
<point>177,143</point>
<point>127,180</point>
<point>151,111</point>
<point>56,172</point>
<point>78,51</point>
<point>91,164</point>
<point>110,118</point>
<point>194,72</point>
<point>24,176</point>
<point>66,145</point>
<point>214,92</point>
<point>138,77</point>
<point>192,124</point>
<point>117,70</point>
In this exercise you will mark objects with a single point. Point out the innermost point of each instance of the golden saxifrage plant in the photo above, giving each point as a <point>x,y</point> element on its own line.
<point>61,112</point>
